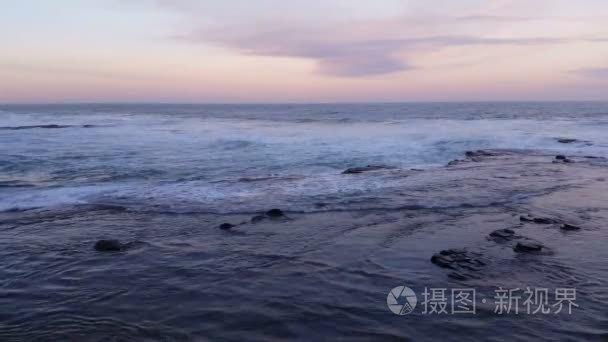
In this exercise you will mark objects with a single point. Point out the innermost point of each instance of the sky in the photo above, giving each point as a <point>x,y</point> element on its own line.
<point>302,50</point>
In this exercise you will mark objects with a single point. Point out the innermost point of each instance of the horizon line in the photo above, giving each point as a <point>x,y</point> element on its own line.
<point>76,103</point>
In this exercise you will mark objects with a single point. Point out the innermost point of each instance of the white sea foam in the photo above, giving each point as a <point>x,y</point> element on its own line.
<point>196,155</point>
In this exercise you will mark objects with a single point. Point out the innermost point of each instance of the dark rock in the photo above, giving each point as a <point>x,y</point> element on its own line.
<point>226,226</point>
<point>545,220</point>
<point>526,218</point>
<point>51,126</point>
<point>257,179</point>
<point>275,213</point>
<point>538,220</point>
<point>478,153</point>
<point>562,159</point>
<point>109,207</point>
<point>454,162</point>
<point>257,218</point>
<point>528,246</point>
<point>109,246</point>
<point>503,234</point>
<point>354,170</point>
<point>462,261</point>
<point>442,261</point>
<point>453,251</point>
<point>567,226</point>
<point>566,140</point>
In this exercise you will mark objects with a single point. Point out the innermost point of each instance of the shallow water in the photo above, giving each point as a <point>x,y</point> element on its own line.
<point>168,175</point>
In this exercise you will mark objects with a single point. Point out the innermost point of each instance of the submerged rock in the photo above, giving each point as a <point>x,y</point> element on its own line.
<point>526,218</point>
<point>257,218</point>
<point>50,126</point>
<point>457,259</point>
<point>226,226</point>
<point>113,245</point>
<point>464,264</point>
<point>361,169</point>
<point>453,251</point>
<point>562,160</point>
<point>566,140</point>
<point>275,213</point>
<point>478,153</point>
<point>442,261</point>
<point>538,220</point>
<point>270,214</point>
<point>545,220</point>
<point>560,157</point>
<point>505,234</point>
<point>528,246</point>
<point>567,226</point>
<point>109,246</point>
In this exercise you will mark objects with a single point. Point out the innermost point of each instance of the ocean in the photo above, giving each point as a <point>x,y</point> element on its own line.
<point>166,175</point>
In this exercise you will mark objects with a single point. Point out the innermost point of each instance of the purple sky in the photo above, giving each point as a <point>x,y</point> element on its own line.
<point>302,51</point>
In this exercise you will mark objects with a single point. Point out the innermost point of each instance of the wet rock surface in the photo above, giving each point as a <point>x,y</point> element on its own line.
<point>113,245</point>
<point>463,262</point>
<point>503,235</point>
<point>361,169</point>
<point>108,246</point>
<point>275,213</point>
<point>539,220</point>
<point>272,214</point>
<point>49,126</point>
<point>227,226</point>
<point>567,226</point>
<point>566,140</point>
<point>528,246</point>
<point>479,153</point>
<point>476,157</point>
<point>572,141</point>
<point>562,160</point>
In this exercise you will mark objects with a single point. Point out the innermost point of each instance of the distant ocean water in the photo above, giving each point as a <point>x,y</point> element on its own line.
<point>233,158</point>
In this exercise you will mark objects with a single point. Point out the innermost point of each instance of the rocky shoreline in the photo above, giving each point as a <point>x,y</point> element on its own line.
<point>572,198</point>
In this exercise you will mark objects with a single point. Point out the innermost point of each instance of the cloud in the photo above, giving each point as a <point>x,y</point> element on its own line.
<point>344,46</point>
<point>351,57</point>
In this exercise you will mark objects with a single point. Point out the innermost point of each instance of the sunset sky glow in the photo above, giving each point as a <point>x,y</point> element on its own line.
<point>302,50</point>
